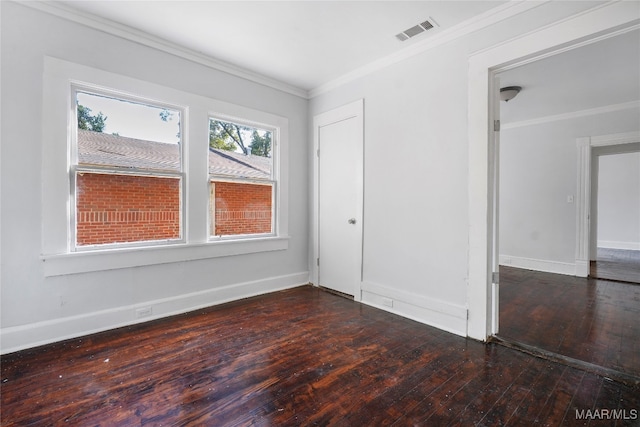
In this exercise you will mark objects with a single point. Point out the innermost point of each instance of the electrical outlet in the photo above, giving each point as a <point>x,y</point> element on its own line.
<point>144,312</point>
<point>387,301</point>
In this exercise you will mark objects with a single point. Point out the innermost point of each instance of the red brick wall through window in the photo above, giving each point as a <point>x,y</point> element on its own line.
<point>113,208</point>
<point>125,208</point>
<point>242,208</point>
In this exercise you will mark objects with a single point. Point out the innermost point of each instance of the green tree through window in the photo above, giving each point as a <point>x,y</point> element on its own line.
<point>232,136</point>
<point>88,121</point>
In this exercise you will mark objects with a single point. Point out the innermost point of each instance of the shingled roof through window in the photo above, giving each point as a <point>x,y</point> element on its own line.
<point>101,149</point>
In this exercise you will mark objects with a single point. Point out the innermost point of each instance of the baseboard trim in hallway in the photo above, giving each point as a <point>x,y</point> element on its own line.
<point>612,374</point>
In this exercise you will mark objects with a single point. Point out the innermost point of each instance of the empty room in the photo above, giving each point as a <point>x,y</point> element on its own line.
<point>319,213</point>
<point>579,283</point>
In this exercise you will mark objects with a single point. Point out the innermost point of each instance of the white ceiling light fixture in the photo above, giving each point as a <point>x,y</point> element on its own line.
<point>509,92</point>
<point>415,30</point>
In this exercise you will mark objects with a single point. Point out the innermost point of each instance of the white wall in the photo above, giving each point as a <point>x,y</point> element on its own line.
<point>416,219</point>
<point>619,201</point>
<point>36,309</point>
<point>538,173</point>
<point>416,225</point>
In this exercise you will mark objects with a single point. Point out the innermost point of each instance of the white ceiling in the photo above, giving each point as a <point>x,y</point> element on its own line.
<point>302,43</point>
<point>601,74</point>
<point>307,44</point>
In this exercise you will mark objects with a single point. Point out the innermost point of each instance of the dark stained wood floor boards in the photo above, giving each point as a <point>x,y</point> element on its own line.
<point>596,321</point>
<point>616,264</point>
<point>296,357</point>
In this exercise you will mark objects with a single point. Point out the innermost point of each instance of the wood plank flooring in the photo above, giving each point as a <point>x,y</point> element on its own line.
<point>616,264</point>
<point>596,321</point>
<point>298,357</point>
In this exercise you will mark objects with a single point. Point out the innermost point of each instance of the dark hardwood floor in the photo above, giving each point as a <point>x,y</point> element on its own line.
<point>299,357</point>
<point>616,264</point>
<point>591,320</point>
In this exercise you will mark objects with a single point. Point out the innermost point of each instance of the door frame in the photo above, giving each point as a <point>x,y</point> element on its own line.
<point>586,198</point>
<point>349,111</point>
<point>598,23</point>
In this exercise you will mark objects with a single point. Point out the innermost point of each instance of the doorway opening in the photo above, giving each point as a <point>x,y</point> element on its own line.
<point>615,212</point>
<point>548,182</point>
<point>484,294</point>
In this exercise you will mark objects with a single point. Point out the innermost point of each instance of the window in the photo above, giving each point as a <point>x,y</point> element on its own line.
<point>241,179</point>
<point>159,209</point>
<point>126,171</point>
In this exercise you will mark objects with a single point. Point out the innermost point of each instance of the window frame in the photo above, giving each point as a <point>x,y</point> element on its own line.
<point>273,181</point>
<point>75,167</point>
<point>58,115</point>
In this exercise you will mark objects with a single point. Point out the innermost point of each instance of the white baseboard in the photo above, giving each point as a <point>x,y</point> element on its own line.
<point>630,246</point>
<point>547,266</point>
<point>440,314</point>
<point>583,268</point>
<point>32,335</point>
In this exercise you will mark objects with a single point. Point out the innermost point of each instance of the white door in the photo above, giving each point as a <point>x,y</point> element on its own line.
<point>339,199</point>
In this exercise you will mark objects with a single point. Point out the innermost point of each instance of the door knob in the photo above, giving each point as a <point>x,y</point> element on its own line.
<point>352,221</point>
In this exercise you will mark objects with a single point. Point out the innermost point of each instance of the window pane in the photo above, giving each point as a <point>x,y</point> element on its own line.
<point>237,154</point>
<point>120,133</point>
<point>239,151</point>
<point>114,135</point>
<point>241,208</point>
<point>121,117</point>
<point>112,208</point>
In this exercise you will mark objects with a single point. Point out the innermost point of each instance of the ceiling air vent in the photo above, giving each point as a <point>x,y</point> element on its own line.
<point>426,25</point>
<point>414,31</point>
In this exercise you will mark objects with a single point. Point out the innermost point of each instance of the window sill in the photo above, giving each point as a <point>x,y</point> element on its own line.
<point>111,259</point>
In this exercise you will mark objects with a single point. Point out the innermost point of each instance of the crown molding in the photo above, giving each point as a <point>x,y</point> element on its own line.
<point>146,39</point>
<point>490,17</point>
<point>614,139</point>
<point>572,115</point>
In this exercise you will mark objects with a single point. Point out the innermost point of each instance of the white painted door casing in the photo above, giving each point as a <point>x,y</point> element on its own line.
<point>590,26</point>
<point>338,199</point>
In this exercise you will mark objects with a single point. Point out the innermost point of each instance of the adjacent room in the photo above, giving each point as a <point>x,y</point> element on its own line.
<point>551,299</point>
<point>319,212</point>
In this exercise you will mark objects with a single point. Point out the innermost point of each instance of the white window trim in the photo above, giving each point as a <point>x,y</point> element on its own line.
<point>58,117</point>
<point>75,168</point>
